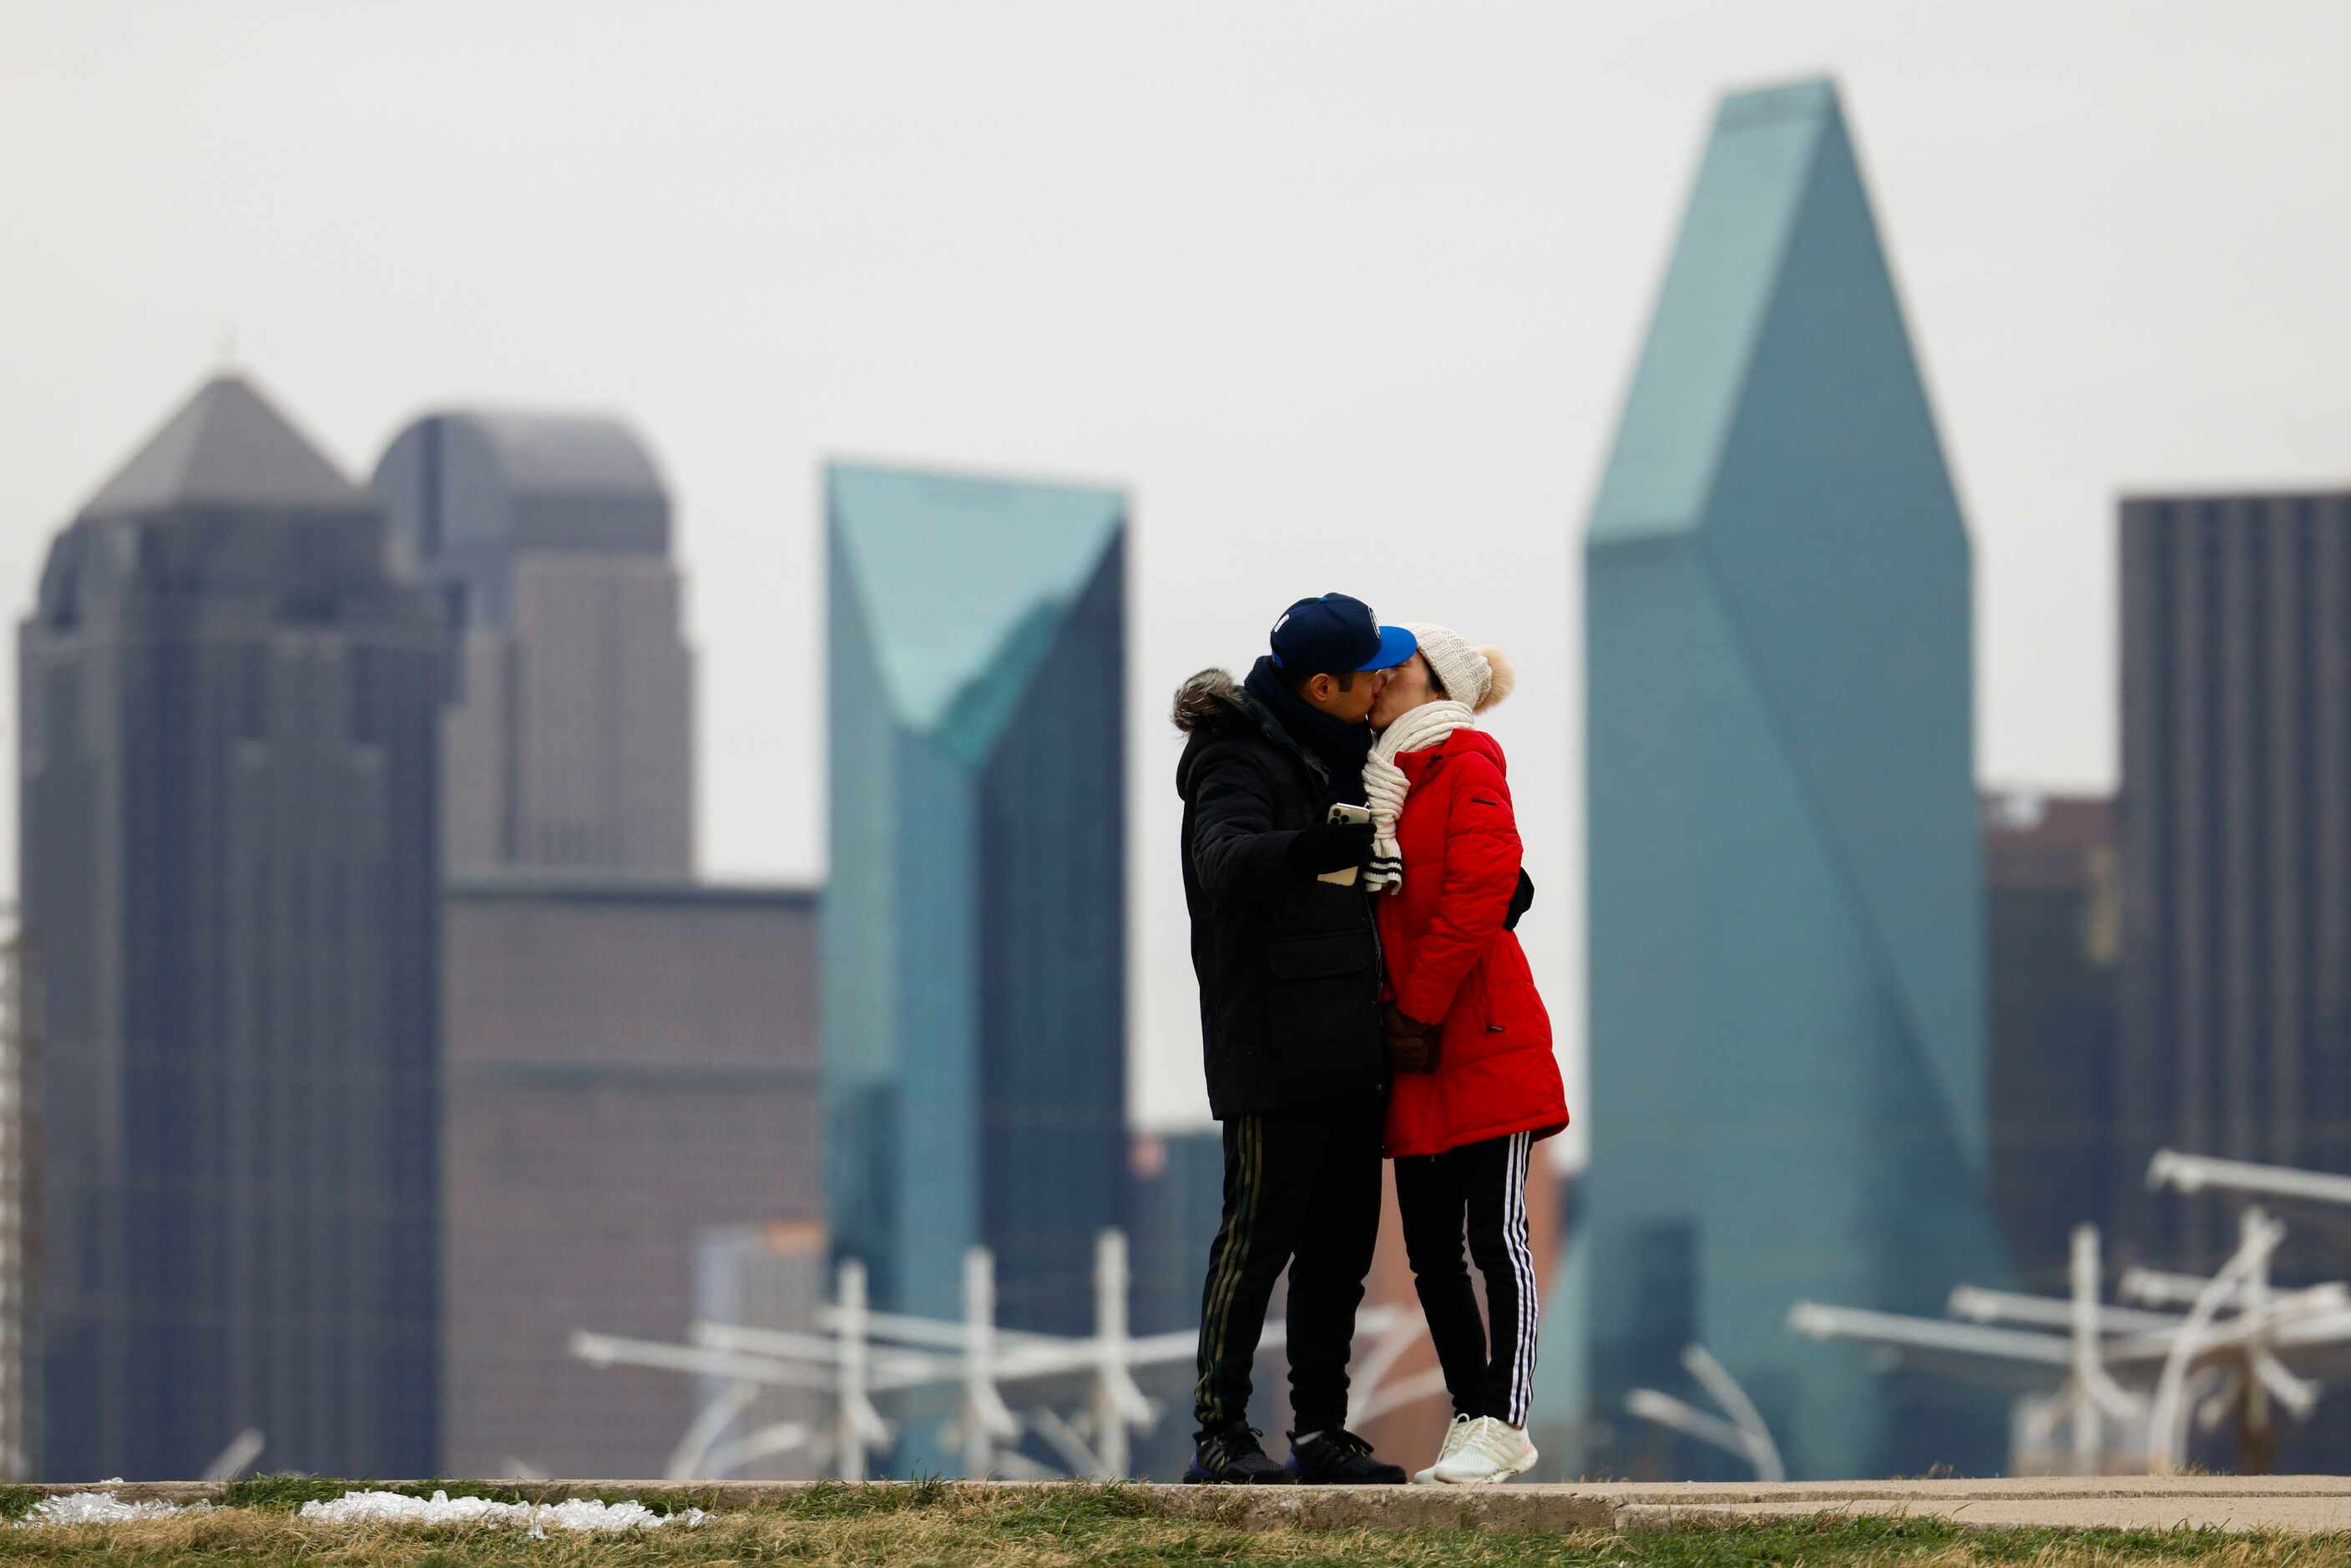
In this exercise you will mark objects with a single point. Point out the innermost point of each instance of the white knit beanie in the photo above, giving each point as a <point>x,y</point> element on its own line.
<point>1471,673</point>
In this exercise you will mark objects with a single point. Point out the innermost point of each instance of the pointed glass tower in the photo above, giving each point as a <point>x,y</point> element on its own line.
<point>975,997</point>
<point>228,753</point>
<point>1787,1048</point>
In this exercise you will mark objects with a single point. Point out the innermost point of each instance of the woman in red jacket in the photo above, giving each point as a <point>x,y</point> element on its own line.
<point>1476,1085</point>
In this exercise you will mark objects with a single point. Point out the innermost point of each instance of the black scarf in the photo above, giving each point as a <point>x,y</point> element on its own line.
<point>1339,747</point>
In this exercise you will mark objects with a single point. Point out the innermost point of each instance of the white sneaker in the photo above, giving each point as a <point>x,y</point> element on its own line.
<point>1491,1450</point>
<point>1455,1435</point>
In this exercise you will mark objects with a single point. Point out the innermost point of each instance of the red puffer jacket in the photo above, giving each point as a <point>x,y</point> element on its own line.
<point>1448,959</point>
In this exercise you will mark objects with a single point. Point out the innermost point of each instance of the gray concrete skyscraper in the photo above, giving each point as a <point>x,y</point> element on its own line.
<point>2053,935</point>
<point>230,730</point>
<point>2235,841</point>
<point>570,747</point>
<point>632,1108</point>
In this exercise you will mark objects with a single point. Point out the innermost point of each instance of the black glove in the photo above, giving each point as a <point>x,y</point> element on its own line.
<point>1413,1046</point>
<point>1331,846</point>
<point>1521,899</point>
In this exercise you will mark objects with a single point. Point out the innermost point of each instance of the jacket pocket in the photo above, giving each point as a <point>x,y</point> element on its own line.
<point>1514,1015</point>
<point>1472,1028</point>
<point>1504,1010</point>
<point>1322,1003</point>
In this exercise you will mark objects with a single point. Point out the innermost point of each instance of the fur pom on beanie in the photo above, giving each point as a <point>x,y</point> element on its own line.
<point>1471,673</point>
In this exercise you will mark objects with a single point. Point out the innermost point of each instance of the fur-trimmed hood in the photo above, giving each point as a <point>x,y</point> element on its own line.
<point>1213,709</point>
<point>1209,700</point>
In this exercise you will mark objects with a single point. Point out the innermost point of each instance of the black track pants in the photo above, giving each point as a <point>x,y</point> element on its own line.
<point>1301,1189</point>
<point>1479,1188</point>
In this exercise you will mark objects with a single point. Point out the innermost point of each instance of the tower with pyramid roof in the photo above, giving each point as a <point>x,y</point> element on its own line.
<point>975,998</point>
<point>1787,1035</point>
<point>229,758</point>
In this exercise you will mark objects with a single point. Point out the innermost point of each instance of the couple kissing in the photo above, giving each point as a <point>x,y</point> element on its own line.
<point>1351,869</point>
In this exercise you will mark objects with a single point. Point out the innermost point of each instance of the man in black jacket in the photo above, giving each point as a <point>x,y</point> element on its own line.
<point>1288,965</point>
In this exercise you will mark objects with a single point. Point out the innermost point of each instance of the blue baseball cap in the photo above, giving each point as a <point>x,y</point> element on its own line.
<point>1335,634</point>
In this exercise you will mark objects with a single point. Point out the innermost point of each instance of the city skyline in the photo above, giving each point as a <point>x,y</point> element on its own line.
<point>1309,317</point>
<point>717,418</point>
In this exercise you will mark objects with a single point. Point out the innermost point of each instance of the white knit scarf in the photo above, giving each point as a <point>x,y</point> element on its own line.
<point>1385,786</point>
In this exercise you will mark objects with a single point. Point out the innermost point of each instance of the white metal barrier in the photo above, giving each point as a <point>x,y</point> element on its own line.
<point>856,1354</point>
<point>2124,1380</point>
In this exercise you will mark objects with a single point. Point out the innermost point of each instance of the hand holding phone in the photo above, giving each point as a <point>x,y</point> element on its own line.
<point>1350,831</point>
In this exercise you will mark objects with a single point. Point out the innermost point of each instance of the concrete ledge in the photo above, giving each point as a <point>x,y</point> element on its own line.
<point>2297,1504</point>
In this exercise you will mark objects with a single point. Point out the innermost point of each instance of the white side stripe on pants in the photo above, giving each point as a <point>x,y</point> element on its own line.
<point>1522,1264</point>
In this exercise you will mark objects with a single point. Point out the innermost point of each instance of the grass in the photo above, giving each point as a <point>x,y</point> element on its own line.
<point>938,1522</point>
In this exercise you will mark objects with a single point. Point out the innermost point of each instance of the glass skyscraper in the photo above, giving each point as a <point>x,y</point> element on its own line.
<point>1787,1035</point>
<point>975,929</point>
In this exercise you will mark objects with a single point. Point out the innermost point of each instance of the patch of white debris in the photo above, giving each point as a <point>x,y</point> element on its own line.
<point>382,1508</point>
<point>577,1514</point>
<point>100,1508</point>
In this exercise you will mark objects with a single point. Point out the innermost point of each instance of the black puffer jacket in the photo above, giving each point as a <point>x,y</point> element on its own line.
<point>1288,965</point>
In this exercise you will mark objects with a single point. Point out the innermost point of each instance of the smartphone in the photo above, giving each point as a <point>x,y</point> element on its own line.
<point>1342,812</point>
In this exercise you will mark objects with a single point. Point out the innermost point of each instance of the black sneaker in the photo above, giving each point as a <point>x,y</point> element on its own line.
<point>1339,1459</point>
<point>1230,1456</point>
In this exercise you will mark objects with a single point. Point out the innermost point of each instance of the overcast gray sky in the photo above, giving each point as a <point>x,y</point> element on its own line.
<point>1344,292</point>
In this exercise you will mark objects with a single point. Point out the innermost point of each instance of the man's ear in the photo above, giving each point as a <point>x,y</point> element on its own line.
<point>1322,688</point>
